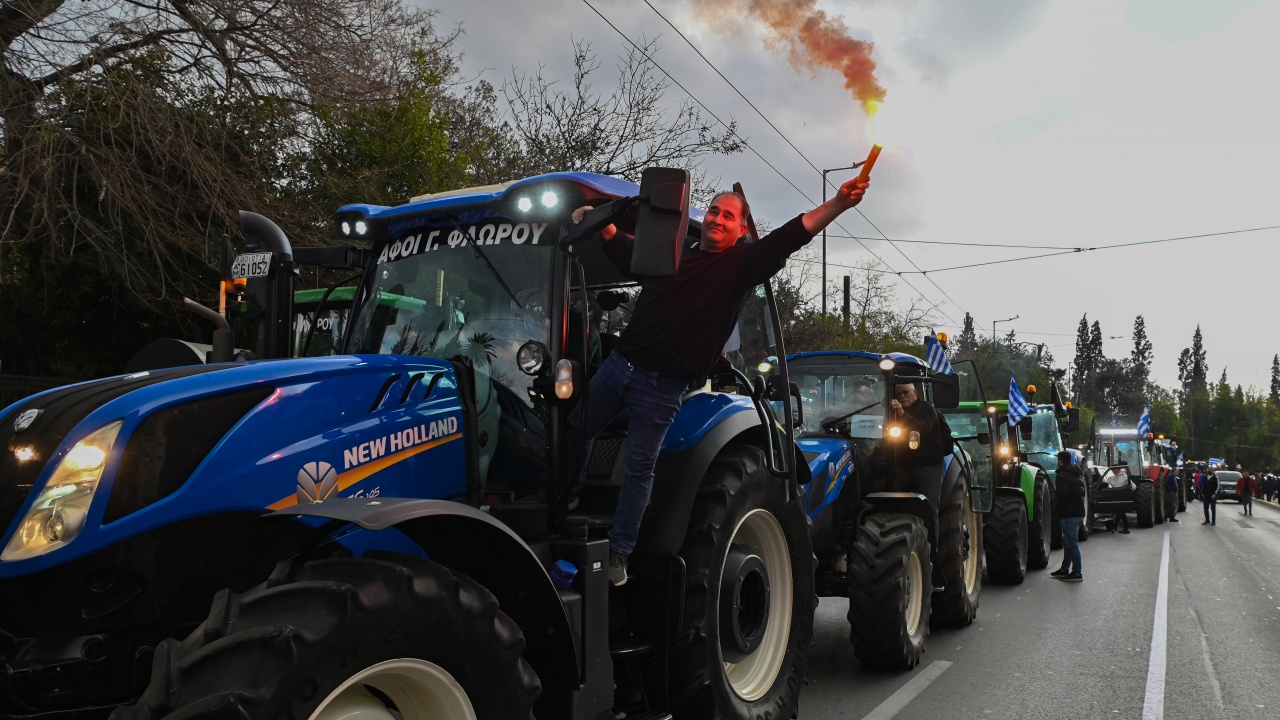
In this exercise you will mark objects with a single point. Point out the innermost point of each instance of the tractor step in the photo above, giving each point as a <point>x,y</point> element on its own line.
<point>647,715</point>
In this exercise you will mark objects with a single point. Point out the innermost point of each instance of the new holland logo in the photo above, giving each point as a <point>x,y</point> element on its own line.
<point>316,482</point>
<point>25,419</point>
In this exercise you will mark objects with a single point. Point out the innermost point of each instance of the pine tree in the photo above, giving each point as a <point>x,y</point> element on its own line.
<point>1140,357</point>
<point>967,343</point>
<point>1199,369</point>
<point>1275,380</point>
<point>1080,380</point>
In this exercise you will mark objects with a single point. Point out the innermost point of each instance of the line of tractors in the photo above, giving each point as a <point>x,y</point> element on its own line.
<point>359,499</point>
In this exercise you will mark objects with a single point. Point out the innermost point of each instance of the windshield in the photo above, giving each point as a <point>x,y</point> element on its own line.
<point>441,299</point>
<point>967,424</point>
<point>1044,439</point>
<point>832,386</point>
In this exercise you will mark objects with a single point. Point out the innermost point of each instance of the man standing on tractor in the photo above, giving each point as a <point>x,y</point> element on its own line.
<point>678,329</point>
<point>919,471</point>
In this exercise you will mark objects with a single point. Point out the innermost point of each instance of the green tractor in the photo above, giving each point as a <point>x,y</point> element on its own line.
<point>1021,528</point>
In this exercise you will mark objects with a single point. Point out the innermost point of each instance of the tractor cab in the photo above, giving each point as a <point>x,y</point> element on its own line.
<point>1126,475</point>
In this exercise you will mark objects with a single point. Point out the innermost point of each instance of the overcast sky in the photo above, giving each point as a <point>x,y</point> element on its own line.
<point>1072,123</point>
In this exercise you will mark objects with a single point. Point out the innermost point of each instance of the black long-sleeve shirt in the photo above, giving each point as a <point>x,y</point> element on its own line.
<point>923,418</point>
<point>681,322</point>
<point>1071,492</point>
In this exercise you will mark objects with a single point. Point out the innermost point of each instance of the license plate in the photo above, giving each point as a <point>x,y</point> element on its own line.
<point>251,265</point>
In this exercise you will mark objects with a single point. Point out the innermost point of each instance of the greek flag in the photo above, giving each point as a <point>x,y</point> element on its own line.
<point>936,356</point>
<point>1018,407</point>
<point>1144,422</point>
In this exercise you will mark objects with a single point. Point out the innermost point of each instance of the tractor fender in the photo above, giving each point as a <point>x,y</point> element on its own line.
<point>905,503</point>
<point>1011,491</point>
<point>482,548</point>
<point>676,480</point>
<point>951,472</point>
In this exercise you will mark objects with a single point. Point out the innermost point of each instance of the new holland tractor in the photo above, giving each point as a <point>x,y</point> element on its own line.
<point>1022,528</point>
<point>901,566</point>
<point>386,531</point>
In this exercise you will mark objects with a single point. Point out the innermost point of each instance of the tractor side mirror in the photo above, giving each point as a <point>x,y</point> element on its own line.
<point>946,391</point>
<point>662,221</point>
<point>984,438</point>
<point>1073,420</point>
<point>1024,427</point>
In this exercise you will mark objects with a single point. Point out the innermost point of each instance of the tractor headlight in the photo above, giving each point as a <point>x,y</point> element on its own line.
<point>524,204</point>
<point>887,364</point>
<point>58,514</point>
<point>895,431</point>
<point>550,199</point>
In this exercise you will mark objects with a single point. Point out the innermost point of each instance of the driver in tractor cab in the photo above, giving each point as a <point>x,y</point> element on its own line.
<point>919,471</point>
<point>677,332</point>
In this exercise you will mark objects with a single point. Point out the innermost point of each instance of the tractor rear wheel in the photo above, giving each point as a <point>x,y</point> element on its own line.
<point>386,636</point>
<point>890,591</point>
<point>1004,531</point>
<point>1041,527</point>
<point>743,650</point>
<point>960,559</point>
<point>1144,499</point>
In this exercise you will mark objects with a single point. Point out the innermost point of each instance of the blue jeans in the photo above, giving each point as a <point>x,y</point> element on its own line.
<point>1071,559</point>
<point>651,402</point>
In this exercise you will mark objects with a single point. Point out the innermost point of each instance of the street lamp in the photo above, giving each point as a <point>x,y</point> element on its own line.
<point>854,166</point>
<point>993,326</point>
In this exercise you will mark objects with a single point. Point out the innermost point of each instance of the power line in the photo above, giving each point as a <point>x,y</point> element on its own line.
<point>805,158</point>
<point>962,244</point>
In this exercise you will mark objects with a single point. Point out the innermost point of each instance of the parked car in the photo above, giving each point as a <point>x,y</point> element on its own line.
<point>1227,480</point>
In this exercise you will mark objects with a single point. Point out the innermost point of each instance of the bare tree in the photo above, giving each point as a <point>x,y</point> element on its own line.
<point>619,134</point>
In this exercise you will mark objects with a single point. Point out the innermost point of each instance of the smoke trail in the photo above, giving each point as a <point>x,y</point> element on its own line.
<point>813,40</point>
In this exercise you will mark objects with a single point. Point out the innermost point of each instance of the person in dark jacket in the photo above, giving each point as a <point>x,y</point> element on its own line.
<point>1171,495</point>
<point>1209,497</point>
<point>676,333</point>
<point>919,470</point>
<point>1071,495</point>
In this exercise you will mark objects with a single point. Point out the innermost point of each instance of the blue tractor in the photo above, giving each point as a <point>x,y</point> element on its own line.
<point>388,530</point>
<point>901,565</point>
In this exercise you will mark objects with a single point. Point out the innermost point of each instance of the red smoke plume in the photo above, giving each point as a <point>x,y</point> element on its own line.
<point>813,40</point>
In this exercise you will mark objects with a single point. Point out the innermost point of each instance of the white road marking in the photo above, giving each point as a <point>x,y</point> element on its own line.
<point>1153,705</point>
<point>905,694</point>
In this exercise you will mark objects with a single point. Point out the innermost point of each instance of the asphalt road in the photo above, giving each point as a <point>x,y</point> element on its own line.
<point>1050,649</point>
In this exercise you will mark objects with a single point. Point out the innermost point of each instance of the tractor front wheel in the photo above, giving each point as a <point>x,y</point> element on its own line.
<point>743,651</point>
<point>1005,535</point>
<point>387,636</point>
<point>1144,497</point>
<point>890,591</point>
<point>1041,525</point>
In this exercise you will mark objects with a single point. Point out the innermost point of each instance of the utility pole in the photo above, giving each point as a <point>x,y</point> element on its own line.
<point>854,166</point>
<point>993,327</point>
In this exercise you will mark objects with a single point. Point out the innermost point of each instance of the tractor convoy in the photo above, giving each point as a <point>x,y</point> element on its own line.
<point>362,499</point>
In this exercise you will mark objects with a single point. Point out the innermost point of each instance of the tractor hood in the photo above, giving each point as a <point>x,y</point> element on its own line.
<point>829,465</point>
<point>184,442</point>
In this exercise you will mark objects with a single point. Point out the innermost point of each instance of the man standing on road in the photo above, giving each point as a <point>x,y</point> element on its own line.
<point>1071,494</point>
<point>1171,496</point>
<point>678,329</point>
<point>1247,487</point>
<point>919,470</point>
<point>1209,497</point>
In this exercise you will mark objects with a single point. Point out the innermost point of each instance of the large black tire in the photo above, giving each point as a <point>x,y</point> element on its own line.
<point>1157,497</point>
<point>1040,529</point>
<point>317,636</point>
<point>1144,499</point>
<point>741,507</point>
<point>890,591</point>
<point>959,558</point>
<point>1086,527</point>
<point>1004,532</point>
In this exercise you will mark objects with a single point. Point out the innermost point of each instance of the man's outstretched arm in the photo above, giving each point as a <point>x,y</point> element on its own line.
<point>849,195</point>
